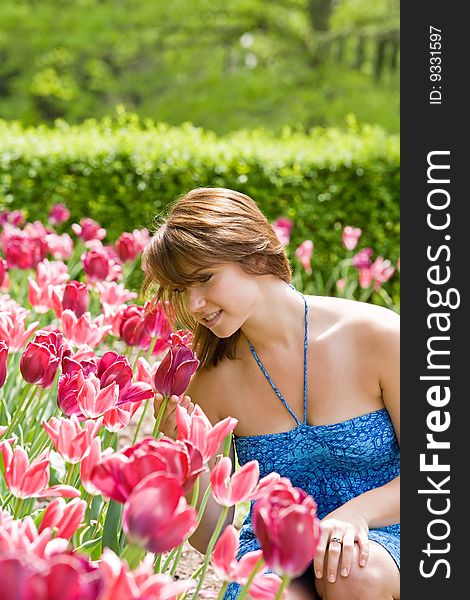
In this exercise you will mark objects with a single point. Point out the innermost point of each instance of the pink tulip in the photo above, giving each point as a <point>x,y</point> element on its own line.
<point>263,586</point>
<point>198,430</point>
<point>382,270</point>
<point>119,401</point>
<point>88,230</point>
<point>15,217</point>
<point>304,253</point>
<point>287,528</point>
<point>224,555</point>
<point>90,459</point>
<point>65,517</point>
<point>13,324</point>
<point>156,514</point>
<point>3,271</point>
<point>175,371</point>
<point>113,294</point>
<point>362,260</point>
<point>24,251</point>
<point>59,214</point>
<point>84,330</point>
<point>49,276</point>
<point>365,278</point>
<point>351,237</point>
<point>3,362</point>
<point>120,583</point>
<point>230,490</point>
<point>283,227</point>
<point>59,246</point>
<point>68,437</point>
<point>341,284</point>
<point>25,480</point>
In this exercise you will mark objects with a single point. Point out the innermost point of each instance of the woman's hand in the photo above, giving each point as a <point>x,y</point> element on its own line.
<point>340,530</point>
<point>168,421</point>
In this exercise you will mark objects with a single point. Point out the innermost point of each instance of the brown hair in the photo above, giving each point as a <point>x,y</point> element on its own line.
<point>205,228</point>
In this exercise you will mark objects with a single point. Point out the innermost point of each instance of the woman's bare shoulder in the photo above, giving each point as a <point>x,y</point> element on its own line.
<point>352,314</point>
<point>206,389</point>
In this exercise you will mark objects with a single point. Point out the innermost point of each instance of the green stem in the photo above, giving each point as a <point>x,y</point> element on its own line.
<point>246,587</point>
<point>222,591</point>
<point>19,411</point>
<point>139,424</point>
<point>157,564</point>
<point>161,410</point>
<point>210,547</point>
<point>282,587</point>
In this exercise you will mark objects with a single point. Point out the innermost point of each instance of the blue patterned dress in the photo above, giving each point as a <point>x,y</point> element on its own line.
<point>333,463</point>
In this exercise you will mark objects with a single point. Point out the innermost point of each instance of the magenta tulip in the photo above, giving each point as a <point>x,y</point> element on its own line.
<point>175,371</point>
<point>283,227</point>
<point>3,271</point>
<point>3,362</point>
<point>287,527</point>
<point>156,515</point>
<point>362,260</point>
<point>126,248</point>
<point>59,214</point>
<point>88,230</point>
<point>23,250</point>
<point>96,264</point>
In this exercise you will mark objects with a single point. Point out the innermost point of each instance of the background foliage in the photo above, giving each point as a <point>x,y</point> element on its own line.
<point>222,64</point>
<point>123,172</point>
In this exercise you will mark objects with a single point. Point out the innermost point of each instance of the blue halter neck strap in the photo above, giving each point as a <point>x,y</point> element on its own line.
<point>266,374</point>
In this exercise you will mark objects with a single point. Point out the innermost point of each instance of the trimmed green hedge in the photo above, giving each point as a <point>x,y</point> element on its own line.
<point>123,172</point>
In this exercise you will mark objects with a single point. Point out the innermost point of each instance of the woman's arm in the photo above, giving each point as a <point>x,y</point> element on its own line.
<point>380,506</point>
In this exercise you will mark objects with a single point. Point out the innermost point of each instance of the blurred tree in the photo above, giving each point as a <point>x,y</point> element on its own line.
<point>221,64</point>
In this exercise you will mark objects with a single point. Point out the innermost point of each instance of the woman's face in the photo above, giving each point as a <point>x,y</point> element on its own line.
<point>223,299</point>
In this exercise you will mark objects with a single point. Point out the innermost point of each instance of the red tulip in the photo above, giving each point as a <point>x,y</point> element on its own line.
<point>118,473</point>
<point>39,365</point>
<point>59,214</point>
<point>230,490</point>
<point>42,357</point>
<point>65,517</point>
<point>132,328</point>
<point>25,480</point>
<point>286,525</point>
<point>156,514</point>
<point>175,371</point>
<point>126,247</point>
<point>3,362</point>
<point>350,237</point>
<point>75,297</point>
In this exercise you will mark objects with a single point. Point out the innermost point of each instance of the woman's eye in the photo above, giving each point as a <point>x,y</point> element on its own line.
<point>206,278</point>
<point>178,290</point>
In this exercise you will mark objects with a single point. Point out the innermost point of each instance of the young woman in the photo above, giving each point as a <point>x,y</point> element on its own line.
<point>313,382</point>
